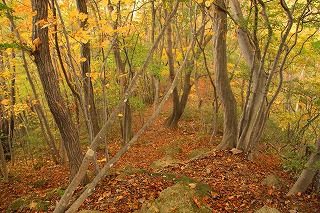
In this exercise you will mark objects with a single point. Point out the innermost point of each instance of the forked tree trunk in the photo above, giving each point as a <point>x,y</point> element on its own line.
<point>251,53</point>
<point>51,87</point>
<point>307,175</point>
<point>222,83</point>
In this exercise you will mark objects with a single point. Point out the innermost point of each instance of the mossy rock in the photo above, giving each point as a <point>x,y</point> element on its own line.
<point>267,209</point>
<point>197,153</point>
<point>164,162</point>
<point>171,150</point>
<point>271,180</point>
<point>180,198</point>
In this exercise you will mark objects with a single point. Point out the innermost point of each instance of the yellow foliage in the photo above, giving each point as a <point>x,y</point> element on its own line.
<point>83,59</point>
<point>82,16</point>
<point>5,102</point>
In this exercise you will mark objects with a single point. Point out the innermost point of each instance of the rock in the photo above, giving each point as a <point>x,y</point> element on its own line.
<point>164,162</point>
<point>267,209</point>
<point>179,198</point>
<point>171,150</point>
<point>271,180</point>
<point>197,153</point>
<point>90,211</point>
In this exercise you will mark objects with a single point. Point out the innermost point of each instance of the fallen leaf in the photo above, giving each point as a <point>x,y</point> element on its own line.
<point>197,201</point>
<point>33,205</point>
<point>236,151</point>
<point>193,185</point>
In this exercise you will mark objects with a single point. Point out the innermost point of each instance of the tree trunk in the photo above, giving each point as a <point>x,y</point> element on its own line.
<point>51,88</point>
<point>222,83</point>
<point>85,69</point>
<point>171,121</point>
<point>251,54</point>
<point>126,121</point>
<point>4,169</point>
<point>307,175</point>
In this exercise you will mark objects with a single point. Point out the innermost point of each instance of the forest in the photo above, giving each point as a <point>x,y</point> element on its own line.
<point>159,106</point>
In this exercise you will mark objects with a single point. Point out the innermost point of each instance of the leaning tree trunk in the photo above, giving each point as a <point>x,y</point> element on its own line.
<point>222,80</point>
<point>51,88</point>
<point>307,175</point>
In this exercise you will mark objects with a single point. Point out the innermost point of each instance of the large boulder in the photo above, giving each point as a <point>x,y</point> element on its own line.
<point>180,198</point>
<point>164,162</point>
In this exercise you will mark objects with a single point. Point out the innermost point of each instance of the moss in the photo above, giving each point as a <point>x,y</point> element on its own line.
<point>171,150</point>
<point>197,152</point>
<point>43,205</point>
<point>15,205</point>
<point>39,183</point>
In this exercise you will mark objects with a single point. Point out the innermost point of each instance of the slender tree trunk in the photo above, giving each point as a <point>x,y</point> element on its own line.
<point>4,169</point>
<point>51,87</point>
<point>175,96</point>
<point>85,67</point>
<point>307,175</point>
<point>126,122</point>
<point>254,101</point>
<point>222,83</point>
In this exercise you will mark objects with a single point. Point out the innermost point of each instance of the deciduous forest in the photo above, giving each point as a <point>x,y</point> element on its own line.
<point>159,106</point>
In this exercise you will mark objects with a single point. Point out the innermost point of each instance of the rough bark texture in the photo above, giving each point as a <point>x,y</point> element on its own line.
<point>85,69</point>
<point>51,88</point>
<point>222,80</point>
<point>308,173</point>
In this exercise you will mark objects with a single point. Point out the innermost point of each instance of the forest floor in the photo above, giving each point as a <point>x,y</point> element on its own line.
<point>236,182</point>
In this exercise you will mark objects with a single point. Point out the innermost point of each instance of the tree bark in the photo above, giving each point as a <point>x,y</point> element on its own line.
<point>308,173</point>
<point>222,83</point>
<point>51,88</point>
